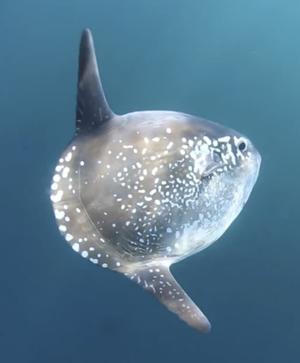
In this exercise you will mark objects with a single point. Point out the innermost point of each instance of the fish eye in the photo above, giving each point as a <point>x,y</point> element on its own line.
<point>242,145</point>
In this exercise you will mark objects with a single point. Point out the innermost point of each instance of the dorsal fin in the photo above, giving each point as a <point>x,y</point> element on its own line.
<point>92,107</point>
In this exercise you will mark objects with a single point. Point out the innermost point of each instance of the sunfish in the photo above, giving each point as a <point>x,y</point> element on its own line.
<point>138,192</point>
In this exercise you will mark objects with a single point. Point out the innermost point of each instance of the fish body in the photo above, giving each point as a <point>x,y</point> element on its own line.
<point>138,192</point>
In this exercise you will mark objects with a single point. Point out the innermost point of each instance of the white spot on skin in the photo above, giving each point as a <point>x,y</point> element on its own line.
<point>168,130</point>
<point>191,143</point>
<point>81,163</point>
<point>104,265</point>
<point>75,247</point>
<point>56,177</point>
<point>57,197</point>
<point>65,172</point>
<point>84,254</point>
<point>154,170</point>
<point>68,157</point>
<point>118,264</point>
<point>94,260</point>
<point>78,210</point>
<point>69,237</point>
<point>59,214</point>
<point>59,168</point>
<point>207,140</point>
<point>62,228</point>
<point>224,139</point>
<point>236,140</point>
<point>127,146</point>
<point>54,186</point>
<point>169,146</point>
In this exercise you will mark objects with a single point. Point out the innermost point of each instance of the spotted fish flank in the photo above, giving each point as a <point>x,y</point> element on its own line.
<point>138,192</point>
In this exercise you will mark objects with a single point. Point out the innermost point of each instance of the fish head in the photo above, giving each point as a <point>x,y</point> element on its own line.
<point>217,168</point>
<point>226,165</point>
<point>234,159</point>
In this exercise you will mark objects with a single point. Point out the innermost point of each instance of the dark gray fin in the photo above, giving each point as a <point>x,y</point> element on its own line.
<point>92,107</point>
<point>158,280</point>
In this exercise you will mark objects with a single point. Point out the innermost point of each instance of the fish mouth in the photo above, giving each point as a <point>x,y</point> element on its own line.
<point>256,161</point>
<point>253,169</point>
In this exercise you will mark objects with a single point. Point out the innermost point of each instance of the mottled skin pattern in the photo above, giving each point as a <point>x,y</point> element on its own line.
<point>138,192</point>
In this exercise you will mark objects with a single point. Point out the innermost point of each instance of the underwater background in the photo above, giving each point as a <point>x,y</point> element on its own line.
<point>234,62</point>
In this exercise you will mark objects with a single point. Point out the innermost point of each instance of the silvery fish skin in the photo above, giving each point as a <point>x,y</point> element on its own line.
<point>138,192</point>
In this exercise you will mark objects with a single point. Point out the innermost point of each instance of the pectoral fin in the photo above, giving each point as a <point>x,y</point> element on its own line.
<point>159,281</point>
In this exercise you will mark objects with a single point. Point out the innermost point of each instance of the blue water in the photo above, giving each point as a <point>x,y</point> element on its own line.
<point>235,62</point>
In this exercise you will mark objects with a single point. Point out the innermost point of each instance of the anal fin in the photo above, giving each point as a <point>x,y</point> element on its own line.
<point>158,280</point>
